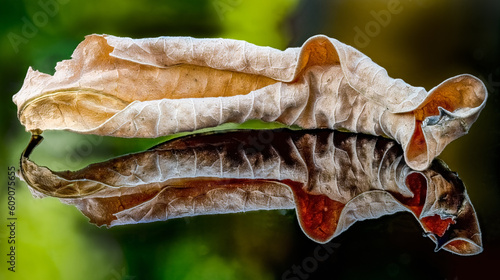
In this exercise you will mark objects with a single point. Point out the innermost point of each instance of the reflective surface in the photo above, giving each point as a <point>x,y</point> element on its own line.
<point>332,179</point>
<point>423,43</point>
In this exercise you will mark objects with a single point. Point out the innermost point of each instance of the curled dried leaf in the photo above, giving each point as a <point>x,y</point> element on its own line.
<point>152,87</point>
<point>332,179</point>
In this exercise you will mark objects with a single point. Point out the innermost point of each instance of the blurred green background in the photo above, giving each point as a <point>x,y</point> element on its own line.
<point>423,42</point>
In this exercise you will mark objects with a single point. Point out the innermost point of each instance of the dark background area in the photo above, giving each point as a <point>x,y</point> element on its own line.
<point>424,43</point>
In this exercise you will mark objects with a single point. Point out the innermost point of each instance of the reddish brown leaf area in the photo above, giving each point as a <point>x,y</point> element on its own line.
<point>417,146</point>
<point>318,214</point>
<point>437,225</point>
<point>451,95</point>
<point>103,210</point>
<point>94,207</point>
<point>417,183</point>
<point>321,52</point>
<point>460,246</point>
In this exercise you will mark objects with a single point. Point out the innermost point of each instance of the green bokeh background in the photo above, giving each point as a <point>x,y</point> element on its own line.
<point>425,43</point>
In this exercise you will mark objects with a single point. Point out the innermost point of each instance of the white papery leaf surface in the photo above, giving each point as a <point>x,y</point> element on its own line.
<point>158,86</point>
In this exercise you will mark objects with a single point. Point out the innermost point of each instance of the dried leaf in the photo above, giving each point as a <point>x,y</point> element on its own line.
<point>152,87</point>
<point>332,179</point>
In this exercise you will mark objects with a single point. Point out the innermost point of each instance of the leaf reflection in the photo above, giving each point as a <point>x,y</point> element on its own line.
<point>332,179</point>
